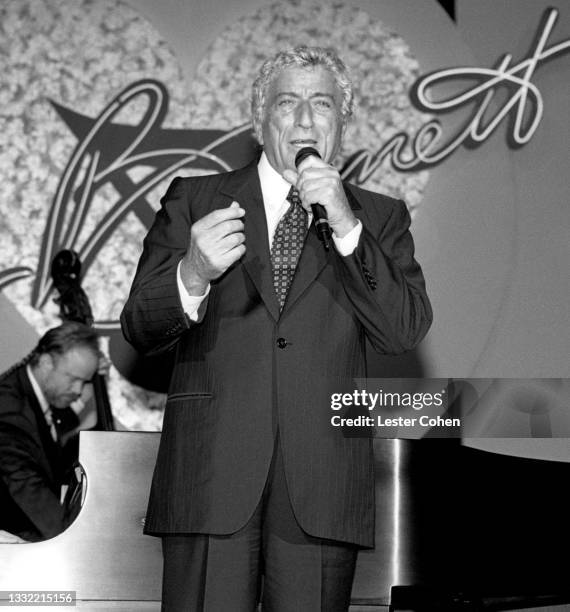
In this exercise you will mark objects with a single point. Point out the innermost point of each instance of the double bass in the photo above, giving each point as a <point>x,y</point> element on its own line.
<point>74,306</point>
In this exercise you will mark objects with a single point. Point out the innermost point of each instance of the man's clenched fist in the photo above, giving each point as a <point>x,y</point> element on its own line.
<point>216,242</point>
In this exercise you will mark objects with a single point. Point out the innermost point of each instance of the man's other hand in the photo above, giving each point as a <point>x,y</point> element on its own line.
<point>319,182</point>
<point>216,242</point>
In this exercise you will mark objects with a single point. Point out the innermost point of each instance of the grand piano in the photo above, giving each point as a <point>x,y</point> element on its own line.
<point>458,528</point>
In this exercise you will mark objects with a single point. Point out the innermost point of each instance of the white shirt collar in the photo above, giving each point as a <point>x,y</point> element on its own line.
<point>44,404</point>
<point>273,186</point>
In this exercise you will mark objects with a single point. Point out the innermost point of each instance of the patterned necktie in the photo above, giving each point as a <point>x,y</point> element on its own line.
<point>287,245</point>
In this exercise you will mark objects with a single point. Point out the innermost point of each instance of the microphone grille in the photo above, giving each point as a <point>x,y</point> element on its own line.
<point>304,153</point>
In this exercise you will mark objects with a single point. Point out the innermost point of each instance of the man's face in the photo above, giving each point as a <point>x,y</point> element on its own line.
<point>64,376</point>
<point>302,110</point>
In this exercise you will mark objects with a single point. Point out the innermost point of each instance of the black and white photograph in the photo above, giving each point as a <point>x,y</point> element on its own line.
<point>284,305</point>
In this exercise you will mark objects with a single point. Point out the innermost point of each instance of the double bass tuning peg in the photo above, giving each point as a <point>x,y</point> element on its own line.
<point>66,268</point>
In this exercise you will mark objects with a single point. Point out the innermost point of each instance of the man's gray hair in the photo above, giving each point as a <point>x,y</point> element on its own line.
<point>304,57</point>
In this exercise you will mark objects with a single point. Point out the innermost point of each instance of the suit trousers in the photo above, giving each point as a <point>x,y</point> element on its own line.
<point>301,573</point>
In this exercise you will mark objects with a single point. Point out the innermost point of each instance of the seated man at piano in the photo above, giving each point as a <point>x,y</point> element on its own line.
<point>40,399</point>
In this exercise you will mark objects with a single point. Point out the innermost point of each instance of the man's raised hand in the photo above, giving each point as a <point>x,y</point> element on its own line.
<point>216,242</point>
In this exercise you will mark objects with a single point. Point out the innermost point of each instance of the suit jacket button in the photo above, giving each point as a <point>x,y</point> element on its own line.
<point>281,343</point>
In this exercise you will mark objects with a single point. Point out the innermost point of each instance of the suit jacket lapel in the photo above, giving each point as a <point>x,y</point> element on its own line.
<point>39,428</point>
<point>313,259</point>
<point>246,189</point>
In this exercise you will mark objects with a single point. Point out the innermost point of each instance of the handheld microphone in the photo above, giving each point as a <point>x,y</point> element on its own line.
<point>319,213</point>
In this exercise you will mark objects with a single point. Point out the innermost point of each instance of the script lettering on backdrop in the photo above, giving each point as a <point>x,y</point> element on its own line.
<point>106,151</point>
<point>523,109</point>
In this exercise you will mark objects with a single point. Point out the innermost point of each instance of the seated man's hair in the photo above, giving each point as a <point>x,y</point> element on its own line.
<point>67,336</point>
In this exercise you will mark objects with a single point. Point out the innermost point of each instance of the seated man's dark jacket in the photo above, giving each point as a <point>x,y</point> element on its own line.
<point>32,465</point>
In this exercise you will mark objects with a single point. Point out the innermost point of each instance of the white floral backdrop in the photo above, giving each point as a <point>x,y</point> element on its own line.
<point>82,53</point>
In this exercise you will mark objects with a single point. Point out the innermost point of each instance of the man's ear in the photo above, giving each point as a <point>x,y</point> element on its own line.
<point>257,129</point>
<point>46,362</point>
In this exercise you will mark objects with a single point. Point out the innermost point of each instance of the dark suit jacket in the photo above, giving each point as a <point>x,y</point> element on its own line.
<point>246,365</point>
<point>32,465</point>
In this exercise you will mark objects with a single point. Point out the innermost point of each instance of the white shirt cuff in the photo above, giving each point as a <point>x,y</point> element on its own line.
<point>190,303</point>
<point>346,245</point>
